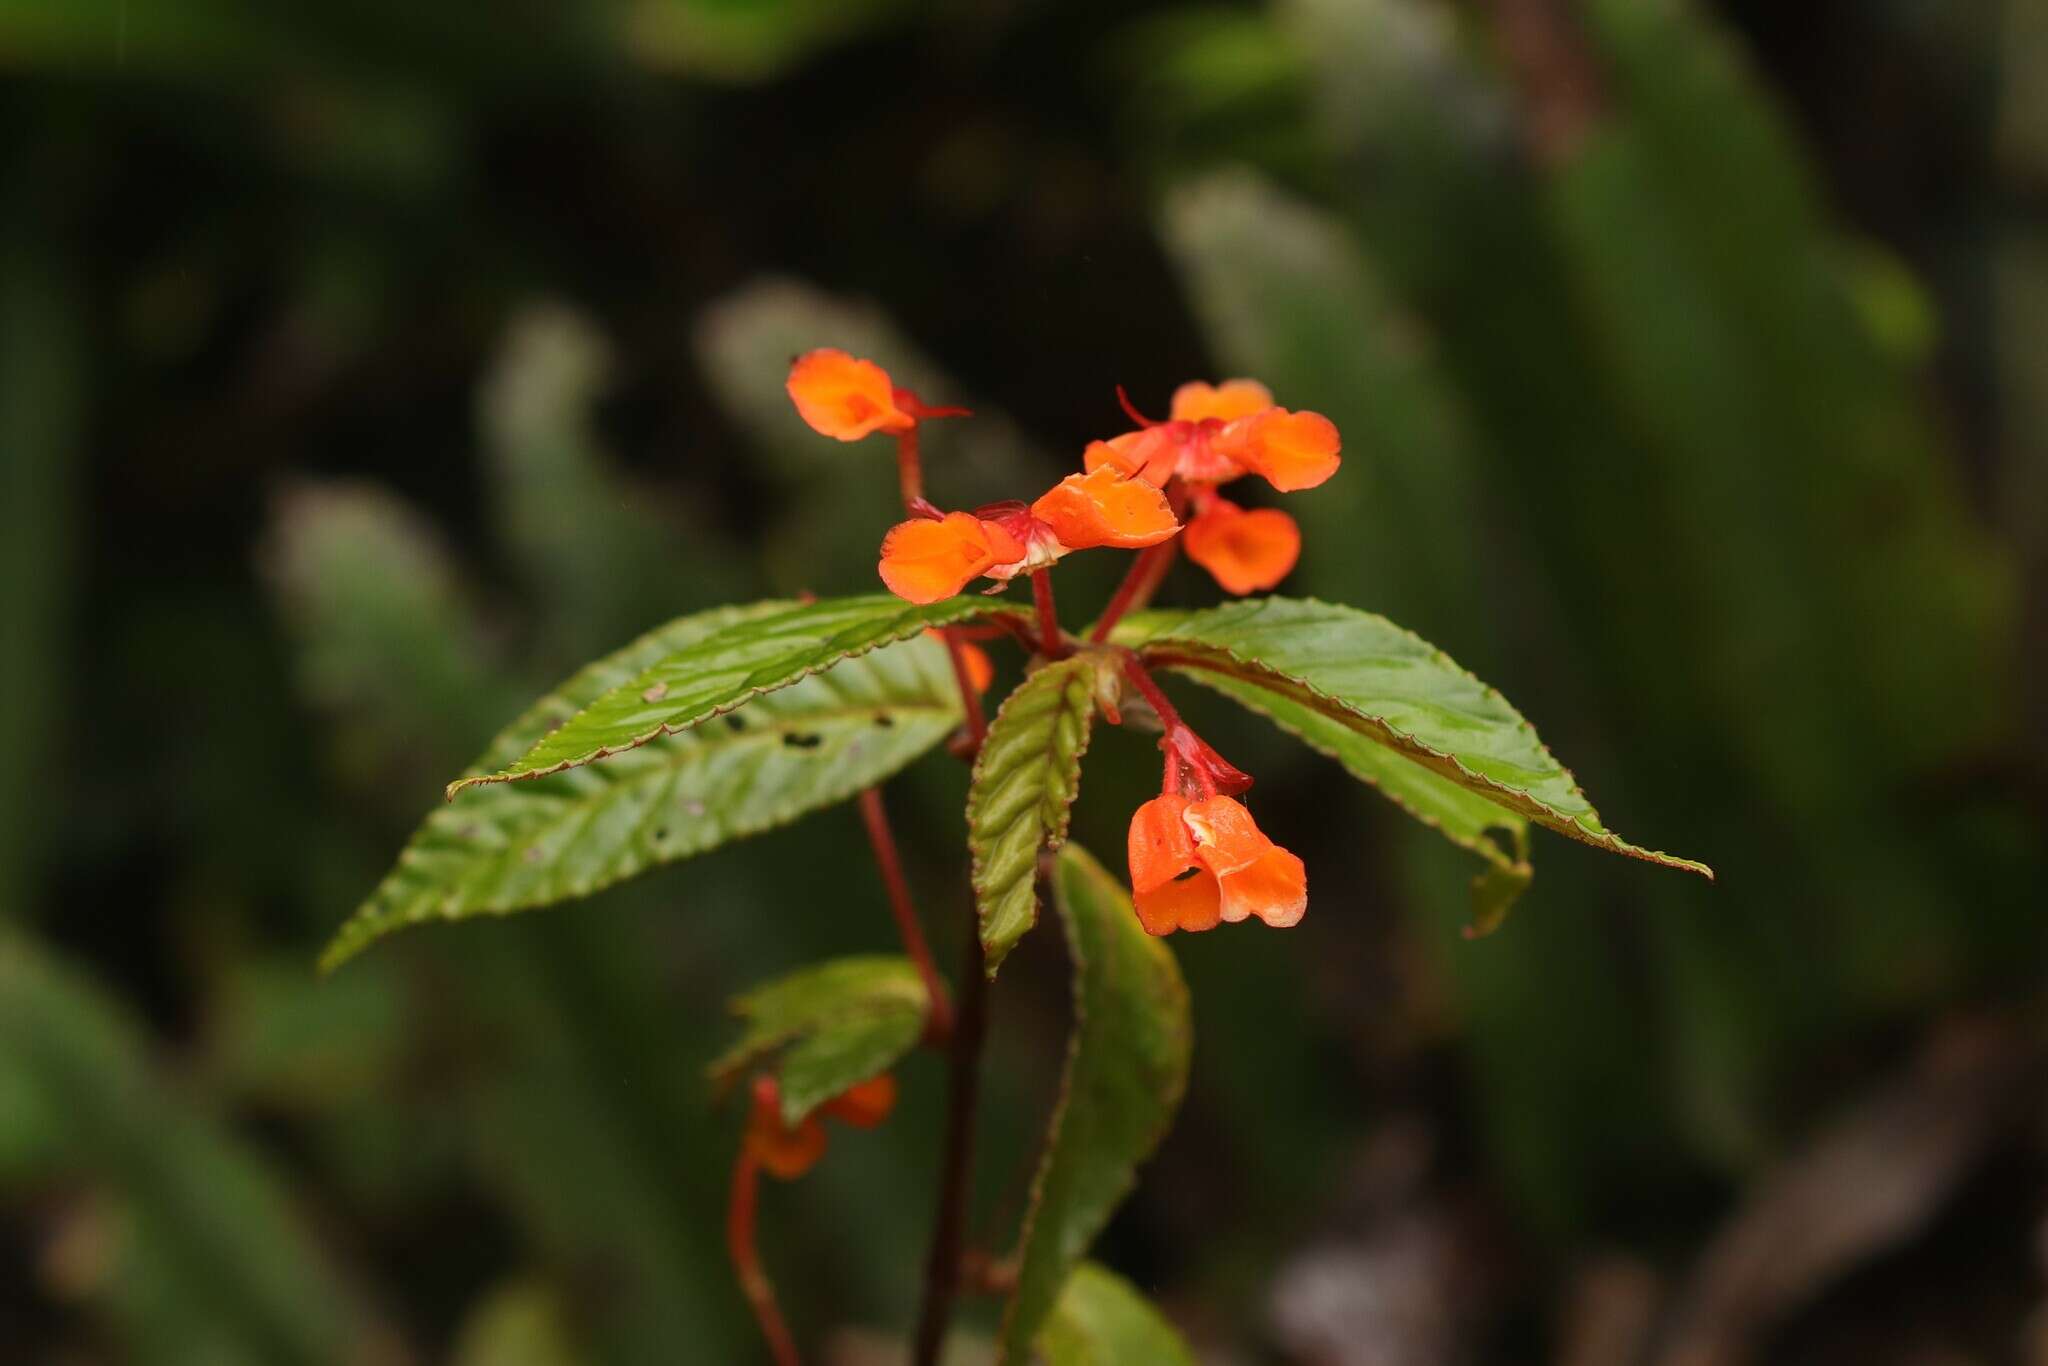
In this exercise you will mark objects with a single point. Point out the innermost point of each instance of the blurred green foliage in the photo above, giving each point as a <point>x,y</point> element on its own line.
<point>366,368</point>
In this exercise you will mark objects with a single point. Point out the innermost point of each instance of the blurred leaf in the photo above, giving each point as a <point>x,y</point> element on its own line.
<point>1100,1319</point>
<point>1286,293</point>
<point>828,1027</point>
<point>272,1034</point>
<point>602,556</point>
<point>1391,686</point>
<point>705,665</point>
<point>745,40</point>
<point>200,1256</point>
<point>524,1323</point>
<point>518,846</point>
<point>1127,1068</point>
<point>1025,781</point>
<point>1462,816</point>
<point>387,630</point>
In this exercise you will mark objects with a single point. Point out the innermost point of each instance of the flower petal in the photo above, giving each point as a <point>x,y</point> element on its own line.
<point>864,1105</point>
<point>1106,508</point>
<point>781,1151</point>
<point>1291,450</point>
<point>1152,454</point>
<point>1161,845</point>
<point>845,397</point>
<point>1226,837</point>
<point>1190,903</point>
<point>1274,888</point>
<point>1234,398</point>
<point>1246,551</point>
<point>926,561</point>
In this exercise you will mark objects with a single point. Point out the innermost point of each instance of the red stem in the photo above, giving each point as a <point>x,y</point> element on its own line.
<point>1141,677</point>
<point>939,1019</point>
<point>963,1085</point>
<point>1048,617</point>
<point>970,698</point>
<point>1141,581</point>
<point>746,1258</point>
<point>909,466</point>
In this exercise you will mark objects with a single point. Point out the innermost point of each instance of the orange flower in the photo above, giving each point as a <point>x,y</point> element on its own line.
<point>926,560</point>
<point>845,397</point>
<point>1104,508</point>
<point>1195,863</point>
<point>788,1152</point>
<point>1289,450</point>
<point>1217,433</point>
<point>935,555</point>
<point>1246,551</point>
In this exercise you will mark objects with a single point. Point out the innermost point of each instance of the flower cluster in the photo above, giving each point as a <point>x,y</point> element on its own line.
<point>1197,858</point>
<point>787,1151</point>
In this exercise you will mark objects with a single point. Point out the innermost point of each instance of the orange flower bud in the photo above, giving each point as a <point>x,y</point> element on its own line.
<point>924,560</point>
<point>1105,508</point>
<point>781,1150</point>
<point>865,1104</point>
<point>1246,551</point>
<point>1197,863</point>
<point>1225,402</point>
<point>845,397</point>
<point>1291,450</point>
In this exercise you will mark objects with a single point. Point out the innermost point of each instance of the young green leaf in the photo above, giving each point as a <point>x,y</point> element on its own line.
<point>1024,784</point>
<point>751,652</point>
<point>1127,1067</point>
<point>520,846</point>
<point>1461,816</point>
<point>1393,687</point>
<point>1100,1319</point>
<point>828,1027</point>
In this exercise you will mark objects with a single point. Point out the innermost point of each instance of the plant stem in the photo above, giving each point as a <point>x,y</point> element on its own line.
<point>970,698</point>
<point>1049,643</point>
<point>1141,581</point>
<point>909,466</point>
<point>939,1016</point>
<point>963,1081</point>
<point>746,1258</point>
<point>1135,670</point>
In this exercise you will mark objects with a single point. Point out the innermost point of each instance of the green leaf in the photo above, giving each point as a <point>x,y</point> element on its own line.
<point>200,1252</point>
<point>1024,784</point>
<point>707,672</point>
<point>524,845</point>
<point>833,1026</point>
<point>1127,1068</point>
<point>1461,816</point>
<point>1393,687</point>
<point>1102,1320</point>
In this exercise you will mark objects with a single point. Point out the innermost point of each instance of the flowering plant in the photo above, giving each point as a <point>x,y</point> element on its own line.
<point>729,722</point>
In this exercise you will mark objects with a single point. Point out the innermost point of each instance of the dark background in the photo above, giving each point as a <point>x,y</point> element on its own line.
<point>365,367</point>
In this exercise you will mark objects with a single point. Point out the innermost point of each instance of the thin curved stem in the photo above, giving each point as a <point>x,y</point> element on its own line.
<point>909,466</point>
<point>746,1258</point>
<point>1049,642</point>
<point>1141,581</point>
<point>942,1272</point>
<point>939,1015</point>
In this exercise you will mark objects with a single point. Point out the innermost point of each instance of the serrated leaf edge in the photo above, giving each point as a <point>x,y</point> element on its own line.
<point>1056,835</point>
<point>915,625</point>
<point>1036,1198</point>
<point>342,947</point>
<point>1189,654</point>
